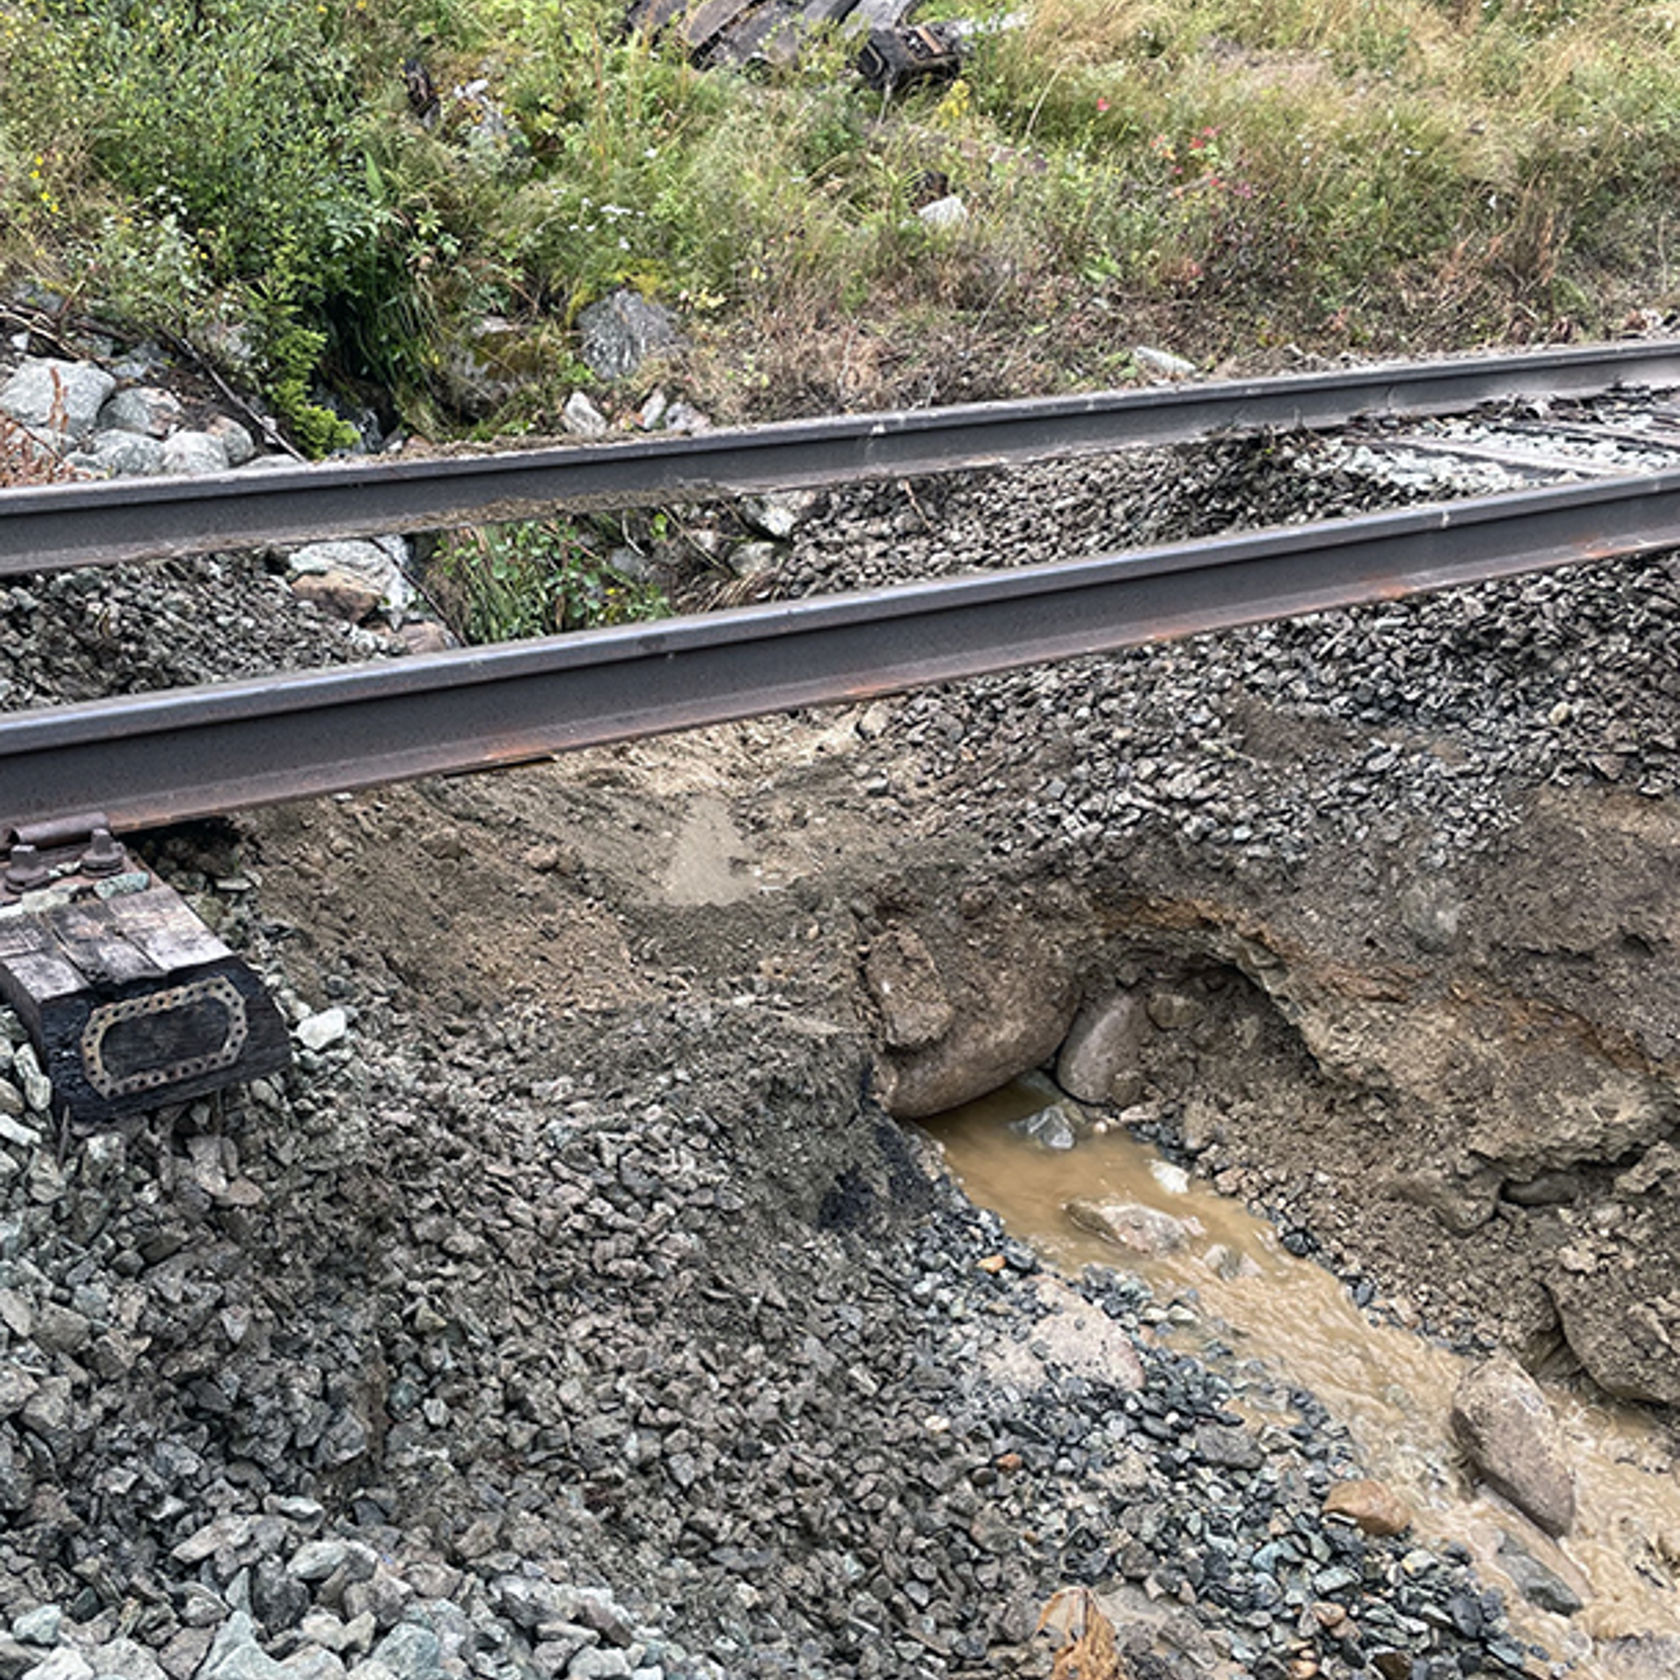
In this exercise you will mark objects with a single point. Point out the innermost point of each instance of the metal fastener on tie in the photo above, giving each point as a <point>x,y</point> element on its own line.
<point>105,855</point>
<point>24,869</point>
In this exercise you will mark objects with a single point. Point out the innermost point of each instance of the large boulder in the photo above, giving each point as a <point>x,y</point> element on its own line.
<point>1620,1322</point>
<point>904,982</point>
<point>1506,1429</point>
<point>1011,1002</point>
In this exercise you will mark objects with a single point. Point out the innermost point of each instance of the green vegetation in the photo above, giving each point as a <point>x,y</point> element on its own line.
<point>1219,175</point>
<point>505,583</point>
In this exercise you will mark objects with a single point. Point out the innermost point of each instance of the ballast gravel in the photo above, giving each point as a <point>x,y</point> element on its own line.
<point>1461,697</point>
<point>475,1355</point>
<point>100,632</point>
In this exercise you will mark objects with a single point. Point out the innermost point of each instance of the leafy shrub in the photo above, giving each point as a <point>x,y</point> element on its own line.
<point>293,352</point>
<point>507,582</point>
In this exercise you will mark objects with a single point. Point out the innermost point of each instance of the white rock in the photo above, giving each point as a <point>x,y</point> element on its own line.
<point>315,1560</point>
<point>1051,1128</point>
<point>1174,1180</point>
<point>43,392</point>
<point>316,1032</point>
<point>66,1663</point>
<point>684,417</point>
<point>127,1659</point>
<point>120,454</point>
<point>235,439</point>
<point>778,514</point>
<point>236,1655</point>
<point>219,1534</point>
<point>39,1626</point>
<point>582,418</point>
<point>37,1088</point>
<point>374,562</point>
<point>944,214</point>
<point>1162,362</point>
<point>194,454</point>
<point>311,1662</point>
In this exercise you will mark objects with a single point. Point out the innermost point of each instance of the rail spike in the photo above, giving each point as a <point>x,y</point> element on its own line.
<point>131,1001</point>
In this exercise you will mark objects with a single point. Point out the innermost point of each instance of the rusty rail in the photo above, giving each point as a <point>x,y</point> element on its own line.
<point>165,757</point>
<point>55,527</point>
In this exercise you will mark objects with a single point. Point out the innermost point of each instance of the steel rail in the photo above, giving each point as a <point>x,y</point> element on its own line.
<point>170,756</point>
<point>54,527</point>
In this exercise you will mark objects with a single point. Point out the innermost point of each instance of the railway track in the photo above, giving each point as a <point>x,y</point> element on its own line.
<point>61,526</point>
<point>152,759</point>
<point>158,758</point>
<point>132,1003</point>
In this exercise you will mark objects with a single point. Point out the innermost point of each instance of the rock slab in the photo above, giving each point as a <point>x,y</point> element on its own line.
<point>1373,1506</point>
<point>1101,1045</point>
<point>1132,1226</point>
<point>621,331</point>
<point>64,395</point>
<point>1506,1428</point>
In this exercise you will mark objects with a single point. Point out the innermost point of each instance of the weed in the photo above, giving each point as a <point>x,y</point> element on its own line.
<point>292,353</point>
<point>26,458</point>
<point>507,582</point>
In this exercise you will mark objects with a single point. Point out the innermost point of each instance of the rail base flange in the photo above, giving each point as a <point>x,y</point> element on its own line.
<point>132,1002</point>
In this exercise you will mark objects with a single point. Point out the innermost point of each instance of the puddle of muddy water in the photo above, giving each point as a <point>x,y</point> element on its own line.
<point>1391,1389</point>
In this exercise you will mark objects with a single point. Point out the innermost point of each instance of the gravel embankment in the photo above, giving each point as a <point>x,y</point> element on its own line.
<point>87,635</point>
<point>448,1361</point>
<point>1565,677</point>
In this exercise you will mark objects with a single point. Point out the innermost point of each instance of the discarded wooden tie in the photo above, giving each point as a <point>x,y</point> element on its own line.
<point>130,1000</point>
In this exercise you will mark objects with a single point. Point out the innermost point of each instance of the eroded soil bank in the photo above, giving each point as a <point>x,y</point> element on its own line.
<point>1444,1070</point>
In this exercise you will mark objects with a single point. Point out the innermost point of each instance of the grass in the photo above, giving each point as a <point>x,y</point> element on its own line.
<point>1229,176</point>
<point>1235,180</point>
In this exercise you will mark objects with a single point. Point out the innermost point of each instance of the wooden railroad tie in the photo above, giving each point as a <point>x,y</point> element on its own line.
<point>131,1001</point>
<point>739,32</point>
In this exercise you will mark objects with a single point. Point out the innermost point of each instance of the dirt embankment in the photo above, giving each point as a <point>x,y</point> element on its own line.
<point>1440,1069</point>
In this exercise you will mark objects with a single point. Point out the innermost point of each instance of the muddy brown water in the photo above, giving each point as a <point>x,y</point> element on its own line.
<point>1390,1388</point>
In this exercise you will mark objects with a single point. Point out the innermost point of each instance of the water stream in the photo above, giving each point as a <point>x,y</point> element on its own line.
<point>1390,1388</point>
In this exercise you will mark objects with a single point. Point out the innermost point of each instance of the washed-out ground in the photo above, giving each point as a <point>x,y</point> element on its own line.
<point>586,1313</point>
